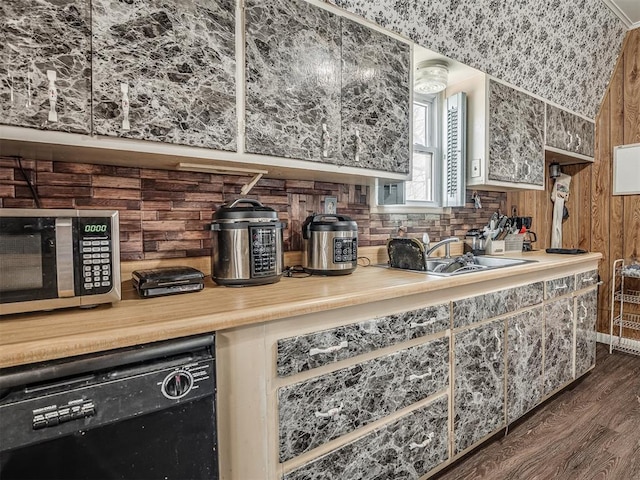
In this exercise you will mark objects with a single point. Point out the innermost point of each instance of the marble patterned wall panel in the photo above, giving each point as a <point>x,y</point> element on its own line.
<point>516,136</point>
<point>569,132</point>
<point>524,362</point>
<point>586,317</point>
<point>315,411</point>
<point>37,36</point>
<point>471,310</point>
<point>178,61</point>
<point>563,51</point>
<point>558,346</point>
<point>405,449</point>
<point>292,80</point>
<point>376,99</point>
<point>304,352</point>
<point>479,377</point>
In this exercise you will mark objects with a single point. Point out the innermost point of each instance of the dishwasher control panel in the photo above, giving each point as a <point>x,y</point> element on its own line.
<point>52,415</point>
<point>29,416</point>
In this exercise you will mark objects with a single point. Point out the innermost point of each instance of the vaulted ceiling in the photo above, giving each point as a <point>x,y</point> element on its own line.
<point>627,10</point>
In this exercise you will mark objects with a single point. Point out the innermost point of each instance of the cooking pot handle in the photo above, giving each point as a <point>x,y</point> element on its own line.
<point>253,202</point>
<point>322,216</point>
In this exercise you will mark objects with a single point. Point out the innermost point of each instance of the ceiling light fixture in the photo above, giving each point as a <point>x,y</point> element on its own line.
<point>431,76</point>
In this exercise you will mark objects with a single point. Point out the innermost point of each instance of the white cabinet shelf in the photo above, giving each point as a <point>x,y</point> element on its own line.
<point>621,320</point>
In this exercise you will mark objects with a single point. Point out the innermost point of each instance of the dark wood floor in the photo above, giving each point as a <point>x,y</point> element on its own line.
<point>587,432</point>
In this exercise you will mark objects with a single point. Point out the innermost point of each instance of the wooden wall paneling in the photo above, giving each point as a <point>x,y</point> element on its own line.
<point>632,88</point>
<point>600,205</point>
<point>583,204</point>
<point>616,137</point>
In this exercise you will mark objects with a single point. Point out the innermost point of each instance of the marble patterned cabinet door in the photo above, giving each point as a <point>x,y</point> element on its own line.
<point>165,71</point>
<point>558,344</point>
<point>479,378</point>
<point>407,448</point>
<point>586,318</point>
<point>516,136</point>
<point>292,80</point>
<point>324,88</point>
<point>569,132</point>
<point>375,99</point>
<point>45,64</point>
<point>524,362</point>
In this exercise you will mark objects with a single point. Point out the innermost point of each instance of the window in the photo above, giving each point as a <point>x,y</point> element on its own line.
<point>424,188</point>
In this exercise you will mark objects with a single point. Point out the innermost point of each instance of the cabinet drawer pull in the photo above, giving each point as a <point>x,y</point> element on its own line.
<point>560,287</point>
<point>515,348</point>
<point>325,140</point>
<point>333,348</point>
<point>28,104</point>
<point>590,279</point>
<point>53,95</point>
<point>332,412</point>
<point>422,324</point>
<point>586,312</point>
<point>414,445</point>
<point>413,376</point>
<point>358,146</point>
<point>124,89</point>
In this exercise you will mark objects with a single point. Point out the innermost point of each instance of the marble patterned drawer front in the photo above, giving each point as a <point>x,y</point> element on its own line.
<point>516,136</point>
<point>375,99</point>
<point>292,80</point>
<point>37,37</point>
<point>479,377</point>
<point>323,408</point>
<point>177,62</point>
<point>482,307</point>
<point>569,132</point>
<point>558,346</point>
<point>524,362</point>
<point>586,318</point>
<point>559,286</point>
<point>405,449</point>
<point>304,352</point>
<point>586,279</point>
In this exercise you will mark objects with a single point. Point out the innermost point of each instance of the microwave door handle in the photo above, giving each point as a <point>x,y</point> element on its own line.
<point>64,257</point>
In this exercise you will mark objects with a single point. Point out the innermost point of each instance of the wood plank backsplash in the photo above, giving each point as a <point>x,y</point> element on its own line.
<point>165,214</point>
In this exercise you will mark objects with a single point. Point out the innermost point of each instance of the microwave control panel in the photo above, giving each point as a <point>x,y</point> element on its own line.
<point>96,251</point>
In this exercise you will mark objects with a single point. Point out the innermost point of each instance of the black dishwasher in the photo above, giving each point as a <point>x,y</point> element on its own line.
<point>146,412</point>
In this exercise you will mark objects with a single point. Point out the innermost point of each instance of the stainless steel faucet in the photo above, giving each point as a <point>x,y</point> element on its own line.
<point>446,242</point>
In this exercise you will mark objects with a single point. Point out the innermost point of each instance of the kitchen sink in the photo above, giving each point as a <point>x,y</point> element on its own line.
<point>468,264</point>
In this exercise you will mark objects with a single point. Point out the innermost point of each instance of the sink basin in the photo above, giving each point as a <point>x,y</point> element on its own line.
<point>449,267</point>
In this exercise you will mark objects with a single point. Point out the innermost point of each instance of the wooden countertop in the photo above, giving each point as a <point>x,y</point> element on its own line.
<point>34,337</point>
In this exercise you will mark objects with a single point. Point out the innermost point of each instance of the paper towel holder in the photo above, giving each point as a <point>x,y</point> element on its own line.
<point>554,170</point>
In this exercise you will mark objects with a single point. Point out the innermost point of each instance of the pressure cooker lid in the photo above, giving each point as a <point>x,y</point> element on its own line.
<point>245,209</point>
<point>329,223</point>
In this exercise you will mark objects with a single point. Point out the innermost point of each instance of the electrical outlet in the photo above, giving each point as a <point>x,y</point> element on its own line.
<point>475,167</point>
<point>330,205</point>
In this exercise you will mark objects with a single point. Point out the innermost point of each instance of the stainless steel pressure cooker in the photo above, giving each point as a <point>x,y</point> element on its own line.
<point>329,245</point>
<point>247,244</point>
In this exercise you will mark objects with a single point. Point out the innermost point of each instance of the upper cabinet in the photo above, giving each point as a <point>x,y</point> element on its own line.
<point>292,92</point>
<point>569,134</point>
<point>323,88</point>
<point>505,135</point>
<point>165,71</point>
<point>376,99</point>
<point>45,67</point>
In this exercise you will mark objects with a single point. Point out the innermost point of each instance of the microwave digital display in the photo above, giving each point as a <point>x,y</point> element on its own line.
<point>95,228</point>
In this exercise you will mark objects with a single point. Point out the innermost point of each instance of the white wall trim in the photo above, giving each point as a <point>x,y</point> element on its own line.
<point>606,339</point>
<point>619,13</point>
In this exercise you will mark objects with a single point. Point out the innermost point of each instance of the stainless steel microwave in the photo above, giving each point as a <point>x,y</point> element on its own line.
<point>58,258</point>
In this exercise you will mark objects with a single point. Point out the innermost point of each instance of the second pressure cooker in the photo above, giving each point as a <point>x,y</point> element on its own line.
<point>329,245</point>
<point>247,244</point>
